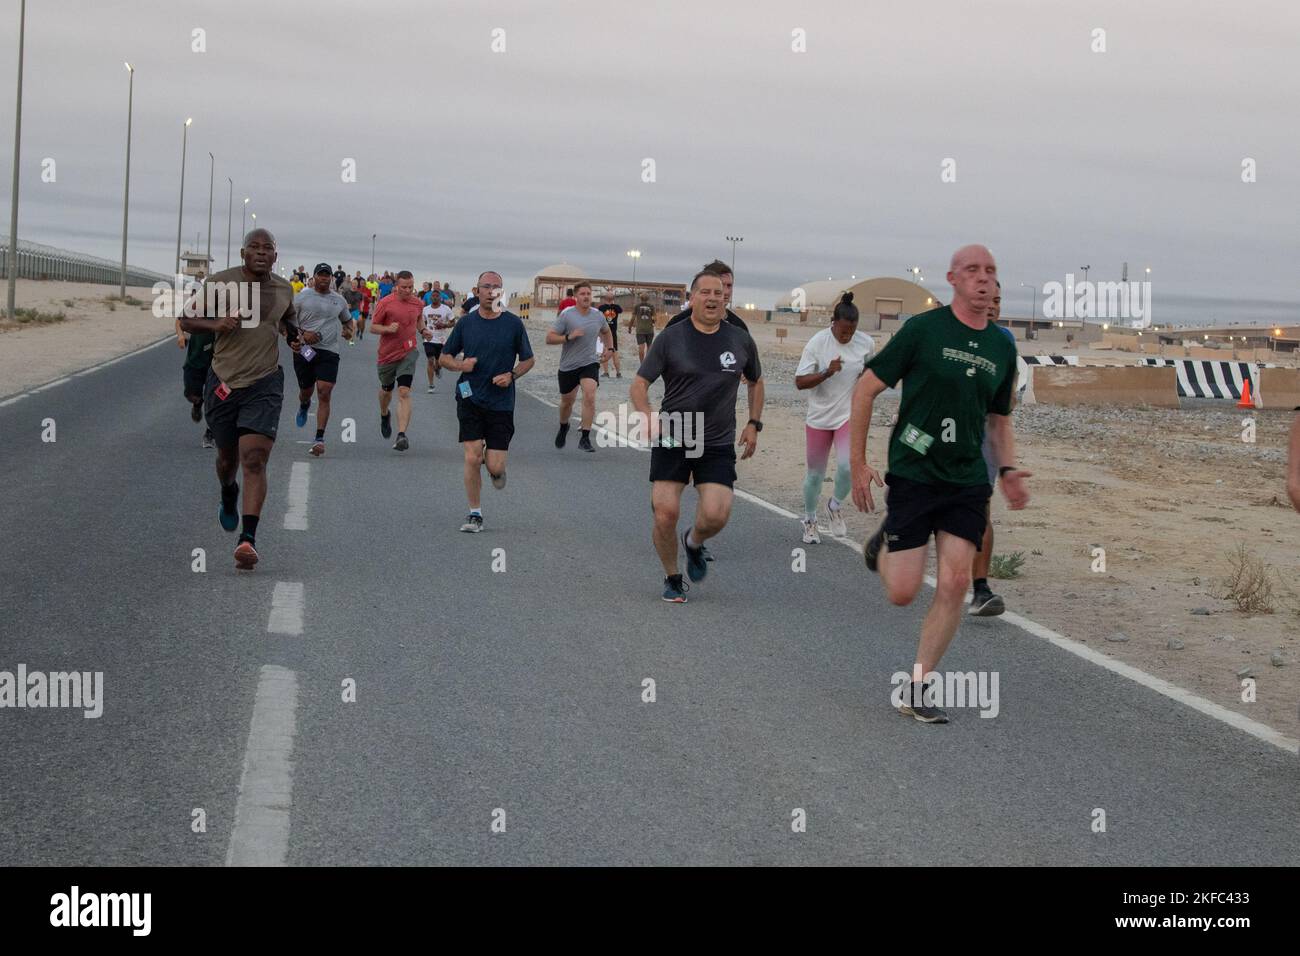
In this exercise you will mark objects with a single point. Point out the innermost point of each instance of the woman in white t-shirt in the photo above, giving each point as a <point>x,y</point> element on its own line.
<point>828,369</point>
<point>437,320</point>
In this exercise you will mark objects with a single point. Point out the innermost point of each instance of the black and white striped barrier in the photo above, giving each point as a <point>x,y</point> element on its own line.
<point>1208,378</point>
<point>1051,359</point>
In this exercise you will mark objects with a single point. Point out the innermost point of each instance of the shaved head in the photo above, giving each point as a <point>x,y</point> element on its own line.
<point>973,276</point>
<point>974,251</point>
<point>264,234</point>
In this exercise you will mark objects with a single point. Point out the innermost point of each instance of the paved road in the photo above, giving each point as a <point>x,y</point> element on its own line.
<point>521,690</point>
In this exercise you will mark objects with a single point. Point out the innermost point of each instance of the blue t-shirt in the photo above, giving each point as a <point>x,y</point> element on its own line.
<point>496,343</point>
<point>385,288</point>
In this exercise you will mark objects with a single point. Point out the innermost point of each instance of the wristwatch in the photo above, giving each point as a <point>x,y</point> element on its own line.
<point>1004,469</point>
<point>758,426</point>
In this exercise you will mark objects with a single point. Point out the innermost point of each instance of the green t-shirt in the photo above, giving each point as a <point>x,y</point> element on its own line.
<point>953,378</point>
<point>198,352</point>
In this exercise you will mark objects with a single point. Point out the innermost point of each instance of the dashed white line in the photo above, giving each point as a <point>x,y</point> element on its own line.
<point>1256,729</point>
<point>260,835</point>
<point>295,516</point>
<point>287,603</point>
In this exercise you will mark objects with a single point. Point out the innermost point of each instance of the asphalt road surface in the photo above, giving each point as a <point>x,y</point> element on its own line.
<point>499,714</point>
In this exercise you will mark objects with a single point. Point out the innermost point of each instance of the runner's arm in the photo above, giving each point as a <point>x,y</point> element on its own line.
<point>1293,464</point>
<point>864,397</point>
<point>1002,439</point>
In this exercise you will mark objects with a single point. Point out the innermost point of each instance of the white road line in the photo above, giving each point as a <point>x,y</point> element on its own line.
<point>1256,729</point>
<point>287,603</point>
<point>295,516</point>
<point>86,371</point>
<point>260,836</point>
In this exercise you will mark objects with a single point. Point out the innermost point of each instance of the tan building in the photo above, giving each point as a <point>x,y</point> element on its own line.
<point>551,284</point>
<point>878,300</point>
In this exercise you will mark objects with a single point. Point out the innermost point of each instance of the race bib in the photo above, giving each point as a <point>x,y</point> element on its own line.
<point>916,439</point>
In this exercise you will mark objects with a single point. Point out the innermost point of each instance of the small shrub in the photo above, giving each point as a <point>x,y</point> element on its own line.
<point>1006,565</point>
<point>37,317</point>
<point>1248,583</point>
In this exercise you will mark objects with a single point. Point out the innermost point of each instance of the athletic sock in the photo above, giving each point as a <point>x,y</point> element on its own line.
<point>250,528</point>
<point>476,511</point>
<point>564,426</point>
<point>834,503</point>
<point>229,495</point>
<point>981,584</point>
<point>320,434</point>
<point>689,543</point>
<point>305,405</point>
<point>586,433</point>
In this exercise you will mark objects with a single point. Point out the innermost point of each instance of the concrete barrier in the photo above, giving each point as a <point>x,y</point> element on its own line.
<point>1095,385</point>
<point>1278,388</point>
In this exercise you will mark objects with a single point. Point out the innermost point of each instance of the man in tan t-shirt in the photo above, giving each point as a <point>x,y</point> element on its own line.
<point>245,386</point>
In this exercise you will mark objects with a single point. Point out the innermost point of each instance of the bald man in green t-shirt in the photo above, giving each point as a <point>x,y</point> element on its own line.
<point>958,372</point>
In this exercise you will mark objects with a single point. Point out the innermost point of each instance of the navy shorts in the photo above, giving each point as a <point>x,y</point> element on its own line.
<point>255,408</point>
<point>916,510</point>
<point>716,465</point>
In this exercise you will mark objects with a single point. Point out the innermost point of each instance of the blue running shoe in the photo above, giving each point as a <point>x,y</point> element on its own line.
<point>227,514</point>
<point>675,589</point>
<point>302,414</point>
<point>696,566</point>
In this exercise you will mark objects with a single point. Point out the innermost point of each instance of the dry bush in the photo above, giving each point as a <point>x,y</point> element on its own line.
<point>1248,583</point>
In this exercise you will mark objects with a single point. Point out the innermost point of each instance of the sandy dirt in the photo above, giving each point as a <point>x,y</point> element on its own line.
<point>92,332</point>
<point>1168,494</point>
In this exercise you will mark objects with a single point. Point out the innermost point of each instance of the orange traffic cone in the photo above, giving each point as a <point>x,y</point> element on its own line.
<point>1246,400</point>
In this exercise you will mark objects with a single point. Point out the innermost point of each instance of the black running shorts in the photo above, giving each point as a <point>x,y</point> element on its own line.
<point>569,380</point>
<point>432,350</point>
<point>255,408</point>
<point>324,367</point>
<point>916,510</point>
<point>485,424</point>
<point>194,379</point>
<point>644,338</point>
<point>716,465</point>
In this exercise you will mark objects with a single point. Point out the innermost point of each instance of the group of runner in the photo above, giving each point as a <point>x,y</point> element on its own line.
<point>950,445</point>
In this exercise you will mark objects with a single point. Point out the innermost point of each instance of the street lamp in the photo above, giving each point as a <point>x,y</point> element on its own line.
<point>243,220</point>
<point>180,208</point>
<point>126,192</point>
<point>635,254</point>
<point>915,273</point>
<point>230,213</point>
<point>1085,272</point>
<point>212,169</point>
<point>13,195</point>
<point>372,253</point>
<point>1033,308</point>
<point>733,240</point>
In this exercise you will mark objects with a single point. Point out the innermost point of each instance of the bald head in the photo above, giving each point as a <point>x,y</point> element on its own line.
<point>258,252</point>
<point>260,233</point>
<point>973,276</point>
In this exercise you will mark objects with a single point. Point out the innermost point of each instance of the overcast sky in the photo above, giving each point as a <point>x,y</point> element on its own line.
<point>828,161</point>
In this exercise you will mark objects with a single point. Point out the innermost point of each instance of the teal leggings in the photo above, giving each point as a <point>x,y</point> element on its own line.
<point>818,443</point>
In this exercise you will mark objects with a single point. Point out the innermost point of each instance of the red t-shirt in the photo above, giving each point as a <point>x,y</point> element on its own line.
<point>393,346</point>
<point>565,303</point>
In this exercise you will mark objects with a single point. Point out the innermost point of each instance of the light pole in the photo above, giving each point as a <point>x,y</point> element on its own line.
<point>212,169</point>
<point>1085,272</point>
<point>733,240</point>
<point>372,253</point>
<point>180,208</point>
<point>1033,299</point>
<point>13,196</point>
<point>243,220</point>
<point>634,254</point>
<point>915,273</point>
<point>126,193</point>
<point>230,212</point>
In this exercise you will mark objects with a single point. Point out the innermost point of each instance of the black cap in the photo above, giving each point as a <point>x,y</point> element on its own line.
<point>323,268</point>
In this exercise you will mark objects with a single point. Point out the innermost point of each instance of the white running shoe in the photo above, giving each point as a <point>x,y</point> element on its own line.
<point>838,528</point>
<point>810,534</point>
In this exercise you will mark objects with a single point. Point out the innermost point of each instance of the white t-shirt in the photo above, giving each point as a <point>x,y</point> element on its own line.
<point>436,313</point>
<point>830,403</point>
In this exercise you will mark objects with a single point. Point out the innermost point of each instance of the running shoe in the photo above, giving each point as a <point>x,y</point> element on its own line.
<point>318,449</point>
<point>430,389</point>
<point>696,566</point>
<point>302,414</point>
<point>871,550</point>
<point>675,589</point>
<point>228,516</point>
<point>917,709</point>
<point>838,528</point>
<point>401,444</point>
<point>498,481</point>
<point>618,374</point>
<point>207,439</point>
<point>984,603</point>
<point>386,426</point>
<point>810,534</point>
<point>562,435</point>
<point>584,444</point>
<point>708,555</point>
<point>245,555</point>
<point>196,411</point>
<point>473,524</point>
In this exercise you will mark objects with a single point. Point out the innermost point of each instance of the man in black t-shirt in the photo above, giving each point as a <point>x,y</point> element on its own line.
<point>611,310</point>
<point>701,362</point>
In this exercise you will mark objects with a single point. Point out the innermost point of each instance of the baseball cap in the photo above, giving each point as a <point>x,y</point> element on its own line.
<point>323,268</point>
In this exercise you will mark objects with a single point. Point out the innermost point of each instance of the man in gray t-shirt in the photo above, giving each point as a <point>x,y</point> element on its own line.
<point>579,328</point>
<point>322,313</point>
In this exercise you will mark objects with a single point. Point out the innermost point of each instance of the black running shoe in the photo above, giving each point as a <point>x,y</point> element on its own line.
<point>584,444</point>
<point>386,425</point>
<point>402,443</point>
<point>696,566</point>
<point>675,589</point>
<point>708,555</point>
<point>562,435</point>
<point>196,411</point>
<point>916,708</point>
<point>984,603</point>
<point>871,550</point>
